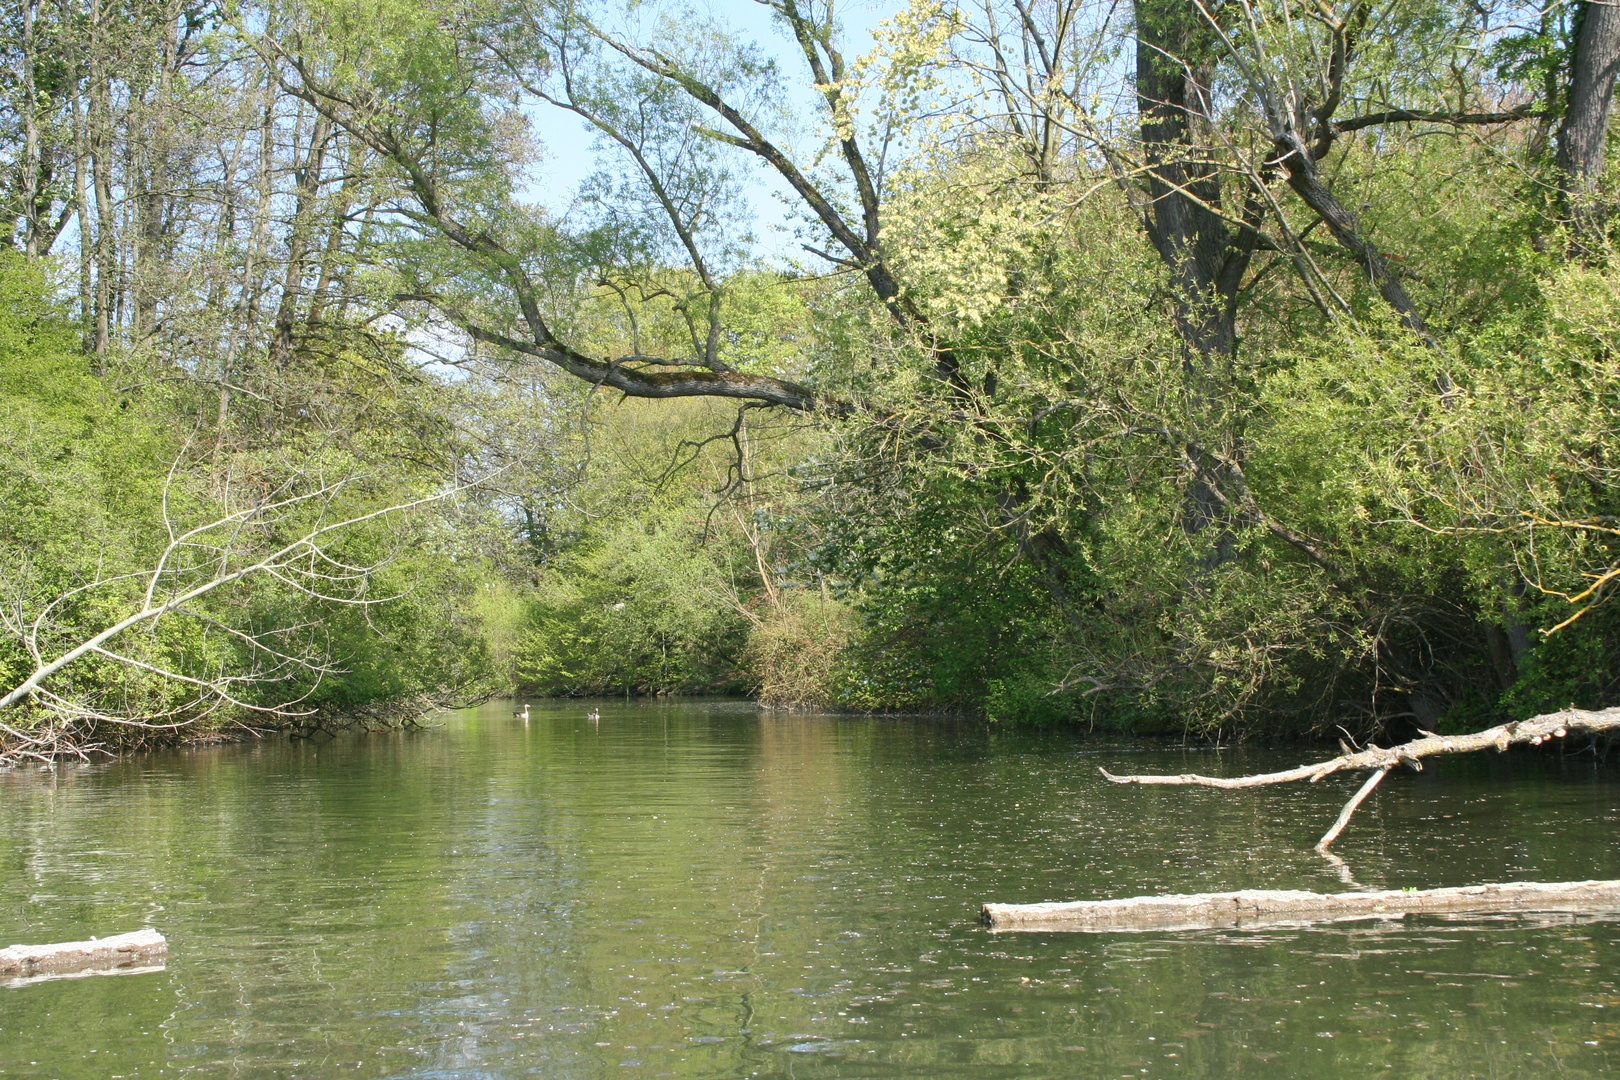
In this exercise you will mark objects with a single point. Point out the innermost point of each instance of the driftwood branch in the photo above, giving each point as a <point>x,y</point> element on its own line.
<point>143,950</point>
<point>1350,808</point>
<point>1534,731</point>
<point>1270,907</point>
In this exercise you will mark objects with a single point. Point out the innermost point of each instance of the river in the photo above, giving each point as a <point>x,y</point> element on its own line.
<point>695,890</point>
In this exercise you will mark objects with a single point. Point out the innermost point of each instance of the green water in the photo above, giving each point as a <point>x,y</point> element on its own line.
<point>692,890</point>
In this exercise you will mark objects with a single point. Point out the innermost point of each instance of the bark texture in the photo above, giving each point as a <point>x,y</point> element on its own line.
<point>1583,135</point>
<point>1267,907</point>
<point>141,949</point>
<point>1175,64</point>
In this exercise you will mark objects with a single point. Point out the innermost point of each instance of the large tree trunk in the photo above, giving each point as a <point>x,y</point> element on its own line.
<point>30,174</point>
<point>1175,64</point>
<point>100,139</point>
<point>1176,50</point>
<point>336,232</point>
<point>81,209</point>
<point>153,144</point>
<point>307,180</point>
<point>1583,136</point>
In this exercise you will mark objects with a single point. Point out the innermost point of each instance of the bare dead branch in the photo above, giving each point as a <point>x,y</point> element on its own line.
<point>1535,731</point>
<point>194,563</point>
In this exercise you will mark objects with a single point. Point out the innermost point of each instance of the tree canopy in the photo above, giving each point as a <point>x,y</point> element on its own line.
<point>1219,367</point>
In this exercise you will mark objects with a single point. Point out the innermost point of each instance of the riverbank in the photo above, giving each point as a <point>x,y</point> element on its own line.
<point>51,742</point>
<point>420,710</point>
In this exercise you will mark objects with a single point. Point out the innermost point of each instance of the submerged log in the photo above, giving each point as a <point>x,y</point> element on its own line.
<point>1272,907</point>
<point>141,949</point>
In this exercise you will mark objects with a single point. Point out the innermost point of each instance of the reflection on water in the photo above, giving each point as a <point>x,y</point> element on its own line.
<point>695,891</point>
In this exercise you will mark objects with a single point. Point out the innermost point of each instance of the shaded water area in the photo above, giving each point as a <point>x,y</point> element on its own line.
<point>698,891</point>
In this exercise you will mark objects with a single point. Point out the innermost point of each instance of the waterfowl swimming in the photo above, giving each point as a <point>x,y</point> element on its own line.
<point>523,713</point>
<point>593,716</point>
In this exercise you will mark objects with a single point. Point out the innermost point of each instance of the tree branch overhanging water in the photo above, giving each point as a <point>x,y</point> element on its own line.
<point>1534,731</point>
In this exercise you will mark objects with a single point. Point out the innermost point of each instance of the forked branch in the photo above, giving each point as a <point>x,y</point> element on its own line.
<point>1535,731</point>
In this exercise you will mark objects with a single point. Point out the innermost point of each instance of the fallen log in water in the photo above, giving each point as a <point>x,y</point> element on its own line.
<point>1269,907</point>
<point>1535,731</point>
<point>141,949</point>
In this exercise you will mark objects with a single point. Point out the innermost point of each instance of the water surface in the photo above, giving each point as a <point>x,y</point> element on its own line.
<point>698,891</point>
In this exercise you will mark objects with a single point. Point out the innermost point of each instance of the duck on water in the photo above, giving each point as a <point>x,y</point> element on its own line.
<point>594,715</point>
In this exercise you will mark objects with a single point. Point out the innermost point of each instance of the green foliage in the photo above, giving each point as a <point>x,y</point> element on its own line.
<point>80,475</point>
<point>1575,668</point>
<point>94,483</point>
<point>797,653</point>
<point>1059,477</point>
<point>950,620</point>
<point>634,609</point>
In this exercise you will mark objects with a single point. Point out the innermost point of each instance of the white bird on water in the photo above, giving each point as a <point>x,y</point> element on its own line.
<point>593,716</point>
<point>524,713</point>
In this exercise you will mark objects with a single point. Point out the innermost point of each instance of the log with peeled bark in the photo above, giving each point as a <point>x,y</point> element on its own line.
<point>142,950</point>
<point>1255,908</point>
<point>1535,731</point>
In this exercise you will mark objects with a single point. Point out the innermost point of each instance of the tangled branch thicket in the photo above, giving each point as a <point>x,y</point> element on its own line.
<point>228,620</point>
